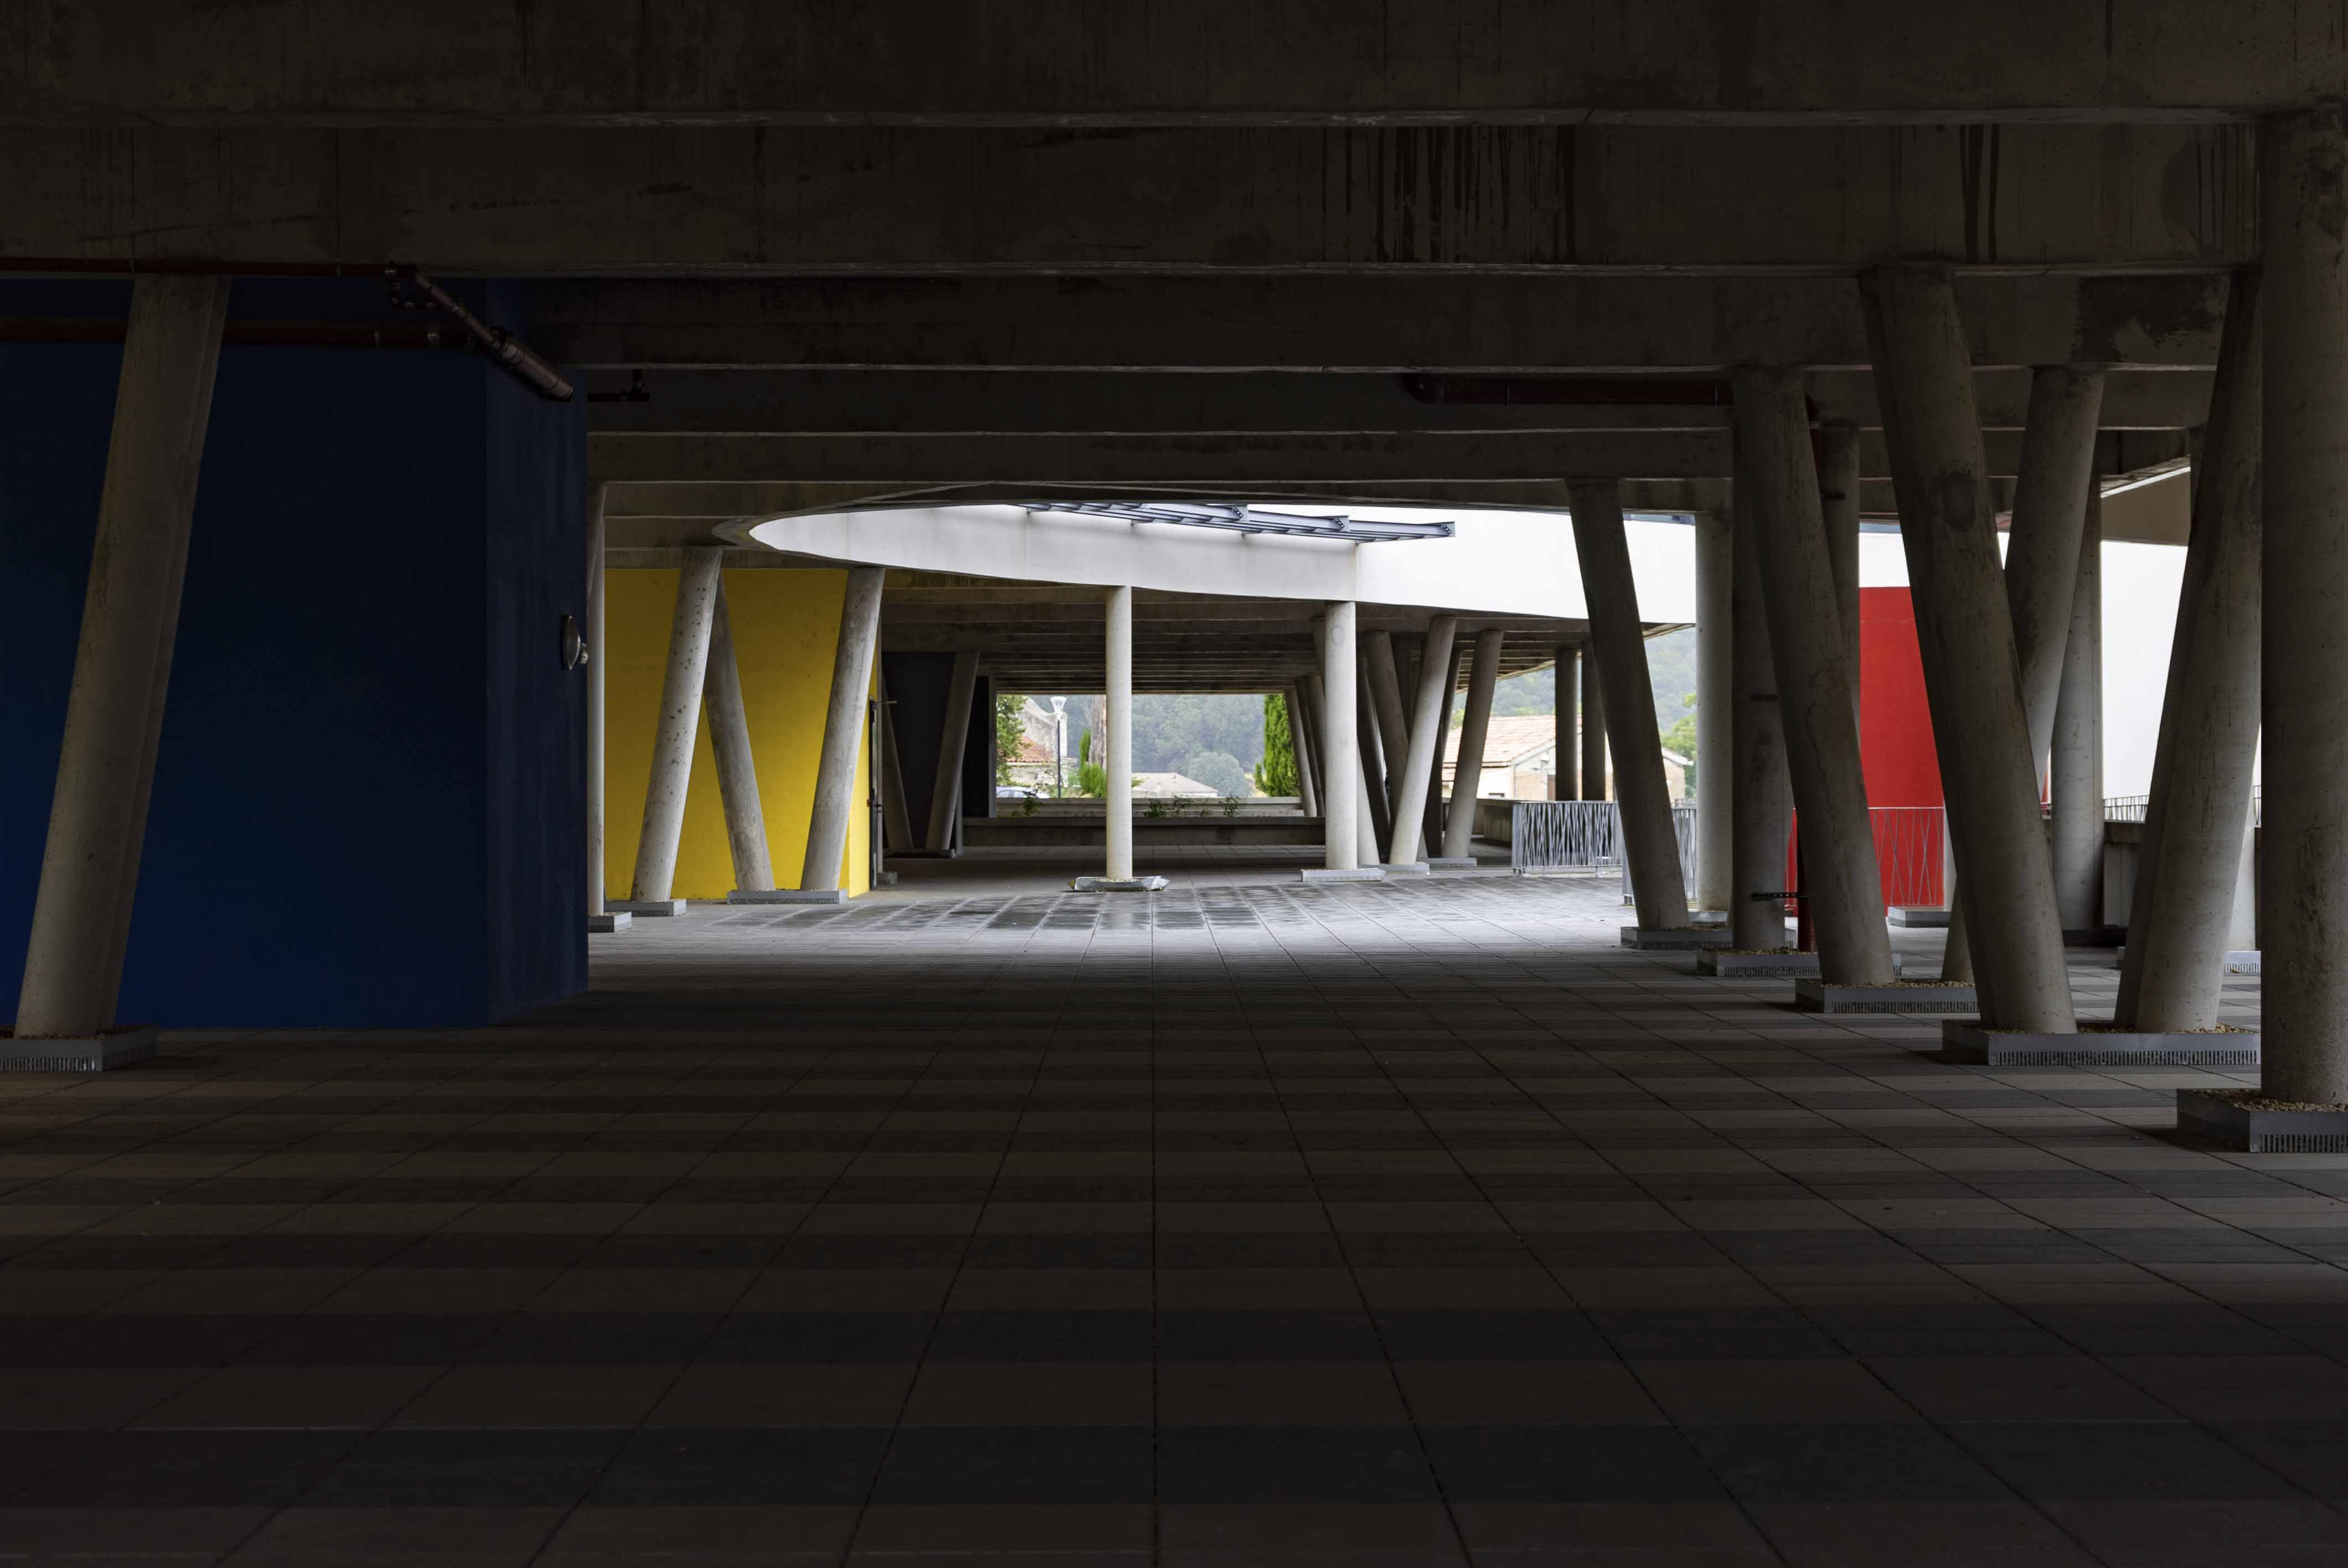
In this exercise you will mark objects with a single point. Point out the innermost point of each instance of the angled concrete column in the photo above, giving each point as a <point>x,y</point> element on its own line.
<point>1334,708</point>
<point>1760,796</point>
<point>1715,644</point>
<point>1299,746</point>
<point>1566,778</point>
<point>1818,677</point>
<point>2042,559</point>
<point>729,743</point>
<point>1475,727</point>
<point>1118,763</point>
<point>1650,842</point>
<point>1406,802</point>
<point>2181,916</point>
<point>1316,725</point>
<point>1394,719</point>
<point>1837,449</point>
<point>1964,628</point>
<point>2044,541</point>
<point>591,634</point>
<point>843,732</point>
<point>1593,724</point>
<point>2075,765</point>
<point>2303,885</point>
<point>896,817</point>
<point>1372,749</point>
<point>953,744</point>
<point>122,661</point>
<point>679,723</point>
<point>1431,839</point>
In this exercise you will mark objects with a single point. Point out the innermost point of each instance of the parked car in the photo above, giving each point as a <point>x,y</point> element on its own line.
<point>1016,791</point>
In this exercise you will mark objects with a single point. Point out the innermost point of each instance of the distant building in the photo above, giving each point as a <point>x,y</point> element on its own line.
<point>1173,787</point>
<point>1520,760</point>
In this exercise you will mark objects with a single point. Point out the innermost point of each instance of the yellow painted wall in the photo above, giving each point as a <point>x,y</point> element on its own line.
<point>786,627</point>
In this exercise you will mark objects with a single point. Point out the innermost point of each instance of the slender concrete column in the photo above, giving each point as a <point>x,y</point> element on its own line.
<point>679,723</point>
<point>1394,719</point>
<point>1838,496</point>
<point>1377,827</point>
<point>1407,805</point>
<point>591,634</point>
<point>953,745</point>
<point>2042,546</point>
<point>122,663</point>
<point>1567,774</point>
<point>2181,916</point>
<point>1119,760</point>
<point>1299,746</point>
<point>1715,644</point>
<point>1475,727</point>
<point>1341,785</point>
<point>1432,821</point>
<point>1650,842</point>
<point>1760,795</point>
<point>896,817</point>
<point>729,743</point>
<point>2244,936</point>
<point>2303,885</point>
<point>1965,633</point>
<point>843,730</point>
<point>1818,678</point>
<point>1593,724</point>
<point>2075,769</point>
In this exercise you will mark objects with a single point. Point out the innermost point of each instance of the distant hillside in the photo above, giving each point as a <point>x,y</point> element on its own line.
<point>1671,666</point>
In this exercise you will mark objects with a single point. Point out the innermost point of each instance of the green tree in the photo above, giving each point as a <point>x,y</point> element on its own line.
<point>1220,771</point>
<point>1009,734</point>
<point>1681,736</point>
<point>1092,779</point>
<point>1276,773</point>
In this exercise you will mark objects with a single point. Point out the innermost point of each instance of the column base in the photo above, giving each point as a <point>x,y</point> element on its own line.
<point>1406,869</point>
<point>1671,938</point>
<point>787,895</point>
<point>1353,874</point>
<point>645,906</point>
<point>102,1052</point>
<point>2238,961</point>
<point>2246,1120</point>
<point>1116,883</point>
<point>613,920</point>
<point>1965,1040</point>
<point>1912,996</point>
<point>2096,936</point>
<point>884,879</point>
<point>1453,862</point>
<point>1789,963</point>
<point>1707,916</point>
<point>1916,914</point>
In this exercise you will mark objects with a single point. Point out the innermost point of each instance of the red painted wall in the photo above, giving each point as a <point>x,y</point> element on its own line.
<point>1895,726</point>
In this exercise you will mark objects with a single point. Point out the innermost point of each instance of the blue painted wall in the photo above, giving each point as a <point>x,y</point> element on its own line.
<point>367,804</point>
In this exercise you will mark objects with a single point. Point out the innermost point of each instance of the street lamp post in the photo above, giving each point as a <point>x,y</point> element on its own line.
<point>1059,741</point>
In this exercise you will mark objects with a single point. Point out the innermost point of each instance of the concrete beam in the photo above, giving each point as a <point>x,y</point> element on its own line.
<point>834,200</point>
<point>818,402</point>
<point>1423,320</point>
<point>1001,459</point>
<point>1123,63</point>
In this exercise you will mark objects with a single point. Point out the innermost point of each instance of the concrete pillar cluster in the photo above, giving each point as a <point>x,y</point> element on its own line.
<point>1965,633</point>
<point>1593,724</point>
<point>729,744</point>
<point>843,731</point>
<point>1759,795</point>
<point>1474,728</point>
<point>1406,806</point>
<point>2074,781</point>
<point>1818,697</point>
<point>1566,676</point>
<point>679,723</point>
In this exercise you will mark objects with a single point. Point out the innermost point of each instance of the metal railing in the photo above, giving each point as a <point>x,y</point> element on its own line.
<point>1587,834</point>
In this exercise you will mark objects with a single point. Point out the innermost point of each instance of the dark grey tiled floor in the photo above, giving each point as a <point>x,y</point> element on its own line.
<point>1251,1223</point>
